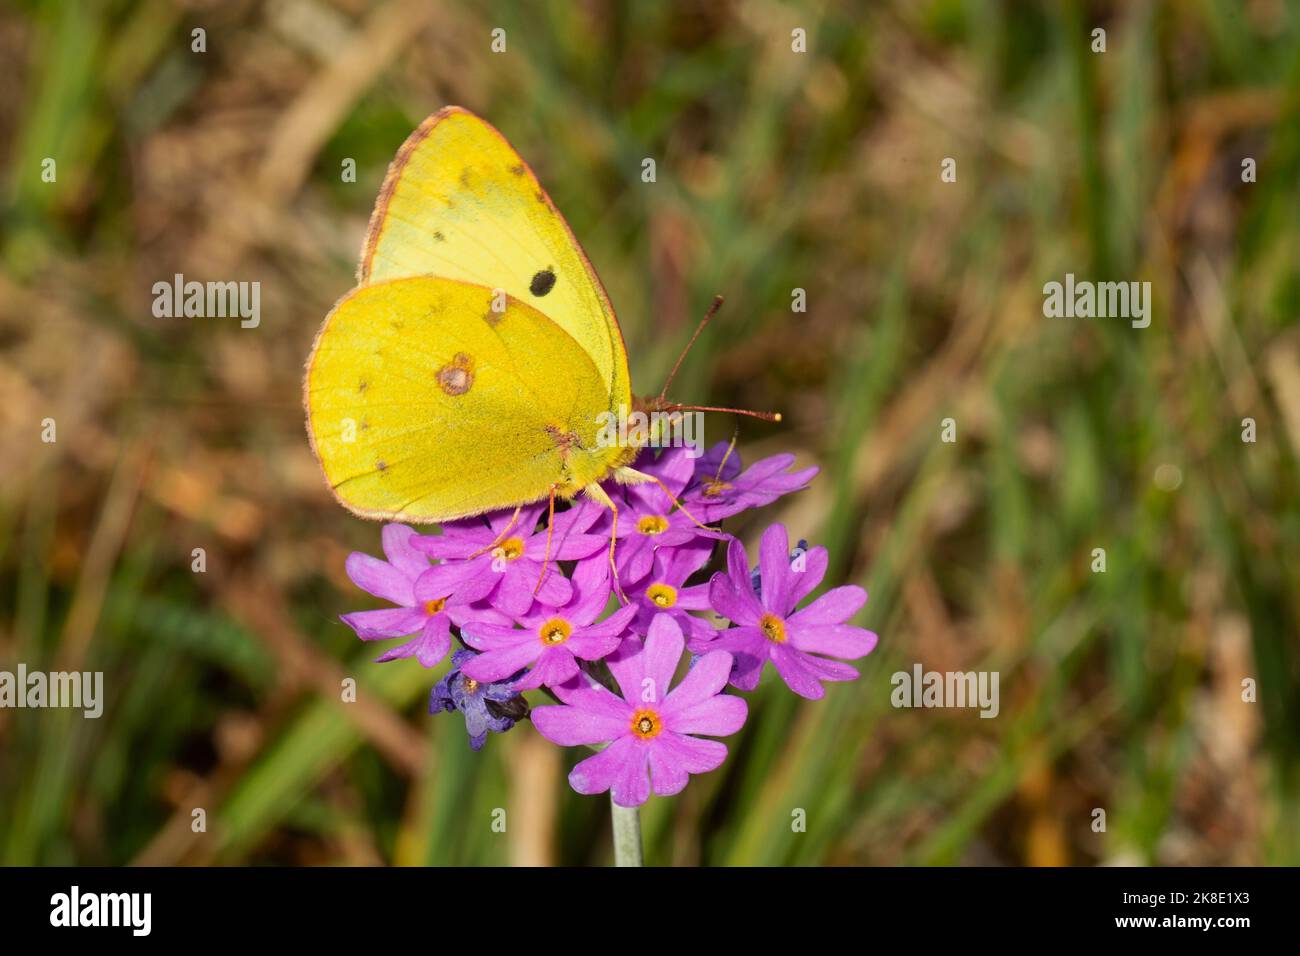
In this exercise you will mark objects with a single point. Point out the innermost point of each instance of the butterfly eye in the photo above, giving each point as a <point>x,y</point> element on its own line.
<point>542,283</point>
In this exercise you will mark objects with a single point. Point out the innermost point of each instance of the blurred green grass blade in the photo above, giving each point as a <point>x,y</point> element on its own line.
<point>315,742</point>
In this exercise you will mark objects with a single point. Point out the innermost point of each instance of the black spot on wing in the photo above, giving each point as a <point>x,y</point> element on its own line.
<point>542,283</point>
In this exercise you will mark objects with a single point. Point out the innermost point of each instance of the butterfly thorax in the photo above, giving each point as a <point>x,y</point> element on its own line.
<point>582,466</point>
<point>585,465</point>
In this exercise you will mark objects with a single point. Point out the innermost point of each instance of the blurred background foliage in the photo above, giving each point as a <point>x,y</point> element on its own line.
<point>776,171</point>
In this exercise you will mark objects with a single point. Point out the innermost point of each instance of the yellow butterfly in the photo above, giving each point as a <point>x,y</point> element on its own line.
<point>472,367</point>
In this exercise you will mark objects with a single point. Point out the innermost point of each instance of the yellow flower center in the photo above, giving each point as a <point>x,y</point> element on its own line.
<point>652,524</point>
<point>469,685</point>
<point>555,631</point>
<point>773,628</point>
<point>511,548</point>
<point>646,724</point>
<point>714,487</point>
<point>662,595</point>
<point>433,607</point>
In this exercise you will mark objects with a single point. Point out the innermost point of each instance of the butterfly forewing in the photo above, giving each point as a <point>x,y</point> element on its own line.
<point>459,202</point>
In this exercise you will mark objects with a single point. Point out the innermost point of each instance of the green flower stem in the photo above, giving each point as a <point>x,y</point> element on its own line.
<point>627,834</point>
<point>625,820</point>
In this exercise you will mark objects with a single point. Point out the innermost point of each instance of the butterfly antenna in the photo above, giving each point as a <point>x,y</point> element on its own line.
<point>667,406</point>
<point>713,310</point>
<point>766,416</point>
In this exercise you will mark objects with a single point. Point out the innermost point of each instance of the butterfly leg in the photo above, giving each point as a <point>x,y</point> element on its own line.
<point>631,476</point>
<point>505,532</point>
<point>599,495</point>
<point>550,527</point>
<point>730,448</point>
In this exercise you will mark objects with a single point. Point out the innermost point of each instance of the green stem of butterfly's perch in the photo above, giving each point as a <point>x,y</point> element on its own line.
<point>626,821</point>
<point>627,834</point>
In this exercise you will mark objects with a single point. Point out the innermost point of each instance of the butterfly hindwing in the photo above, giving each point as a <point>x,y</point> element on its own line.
<point>425,403</point>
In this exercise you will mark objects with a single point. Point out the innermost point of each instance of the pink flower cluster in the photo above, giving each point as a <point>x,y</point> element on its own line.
<point>528,621</point>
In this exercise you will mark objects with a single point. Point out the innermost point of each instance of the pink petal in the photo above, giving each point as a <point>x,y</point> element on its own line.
<point>581,692</point>
<point>667,775</point>
<point>635,557</point>
<point>695,628</point>
<point>399,548</point>
<point>674,468</point>
<point>802,582</point>
<point>632,786</point>
<point>591,592</point>
<point>568,547</point>
<point>766,468</point>
<point>737,563</point>
<point>739,642</point>
<point>504,522</point>
<point>826,669</point>
<point>498,664</point>
<point>492,637</point>
<point>429,647</point>
<point>719,716</point>
<point>614,625</point>
<point>683,531</point>
<point>790,665</point>
<point>556,590</point>
<point>644,676</point>
<point>465,578</point>
<point>592,647</point>
<point>703,681</point>
<point>834,607</point>
<point>438,582</point>
<point>555,666</point>
<point>707,465</point>
<point>380,578</point>
<point>455,545</point>
<point>578,518</point>
<point>520,587</point>
<point>478,585</point>
<point>690,753</point>
<point>621,767</point>
<point>694,598</point>
<point>737,607</point>
<point>738,573</point>
<point>675,565</point>
<point>473,615</point>
<point>572,726</point>
<point>774,567</point>
<point>837,640</point>
<point>746,671</point>
<point>388,622</point>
